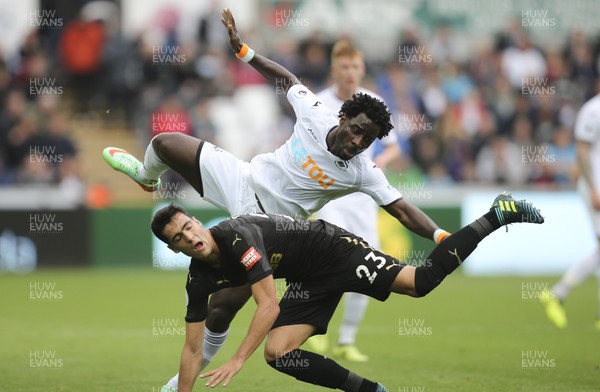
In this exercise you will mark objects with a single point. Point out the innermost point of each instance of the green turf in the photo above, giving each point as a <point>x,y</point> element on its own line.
<point>472,335</point>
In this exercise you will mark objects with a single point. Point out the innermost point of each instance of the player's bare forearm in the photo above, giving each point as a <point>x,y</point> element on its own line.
<point>273,72</point>
<point>412,218</point>
<point>266,312</point>
<point>191,356</point>
<point>259,328</point>
<point>276,74</point>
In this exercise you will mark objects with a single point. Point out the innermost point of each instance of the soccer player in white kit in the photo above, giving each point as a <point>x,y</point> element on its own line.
<point>355,212</point>
<point>587,136</point>
<point>320,162</point>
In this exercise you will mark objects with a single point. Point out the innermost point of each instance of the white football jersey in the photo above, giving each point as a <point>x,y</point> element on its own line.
<point>302,175</point>
<point>355,212</point>
<point>587,129</point>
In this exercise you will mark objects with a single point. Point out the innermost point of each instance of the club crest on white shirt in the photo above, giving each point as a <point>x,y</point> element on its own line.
<point>342,165</point>
<point>300,93</point>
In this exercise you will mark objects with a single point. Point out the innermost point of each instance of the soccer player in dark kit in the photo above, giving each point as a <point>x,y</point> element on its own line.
<point>320,262</point>
<point>323,160</point>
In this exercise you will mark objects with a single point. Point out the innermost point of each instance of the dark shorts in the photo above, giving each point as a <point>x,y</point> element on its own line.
<point>363,270</point>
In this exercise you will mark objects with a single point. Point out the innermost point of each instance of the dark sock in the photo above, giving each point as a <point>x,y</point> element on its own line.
<point>367,386</point>
<point>316,369</point>
<point>354,382</point>
<point>445,258</point>
<point>486,224</point>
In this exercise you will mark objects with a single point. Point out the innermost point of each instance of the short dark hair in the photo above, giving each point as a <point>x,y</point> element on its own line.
<point>162,218</point>
<point>372,107</point>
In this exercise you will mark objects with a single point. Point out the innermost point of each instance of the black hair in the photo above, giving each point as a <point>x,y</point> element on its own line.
<point>372,107</point>
<point>162,218</point>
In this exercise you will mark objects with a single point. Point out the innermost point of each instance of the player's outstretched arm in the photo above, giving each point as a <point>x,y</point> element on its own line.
<point>273,72</point>
<point>267,310</point>
<point>191,356</point>
<point>415,220</point>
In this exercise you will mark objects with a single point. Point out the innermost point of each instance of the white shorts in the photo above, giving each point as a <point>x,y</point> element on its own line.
<point>223,178</point>
<point>584,191</point>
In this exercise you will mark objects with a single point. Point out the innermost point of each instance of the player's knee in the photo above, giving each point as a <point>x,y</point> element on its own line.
<point>219,318</point>
<point>274,351</point>
<point>168,142</point>
<point>158,143</point>
<point>159,140</point>
<point>269,353</point>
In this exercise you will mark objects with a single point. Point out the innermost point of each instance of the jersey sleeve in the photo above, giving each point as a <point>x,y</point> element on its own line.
<point>377,186</point>
<point>197,291</point>
<point>250,252</point>
<point>311,113</point>
<point>301,98</point>
<point>587,126</point>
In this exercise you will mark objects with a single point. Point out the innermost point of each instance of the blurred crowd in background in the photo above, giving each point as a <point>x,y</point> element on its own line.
<point>496,113</point>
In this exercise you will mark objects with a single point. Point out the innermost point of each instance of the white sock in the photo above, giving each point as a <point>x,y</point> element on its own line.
<point>153,167</point>
<point>212,344</point>
<point>576,274</point>
<point>354,311</point>
<point>174,382</point>
<point>213,341</point>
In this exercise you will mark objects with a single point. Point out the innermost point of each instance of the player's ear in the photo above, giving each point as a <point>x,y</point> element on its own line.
<point>343,119</point>
<point>170,247</point>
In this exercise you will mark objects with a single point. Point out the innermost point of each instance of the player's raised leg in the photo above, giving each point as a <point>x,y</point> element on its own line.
<point>121,160</point>
<point>179,152</point>
<point>453,250</point>
<point>167,150</point>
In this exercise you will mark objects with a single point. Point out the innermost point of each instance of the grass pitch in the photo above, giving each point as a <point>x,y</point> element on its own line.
<point>122,330</point>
